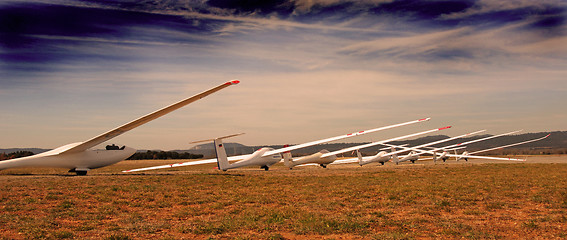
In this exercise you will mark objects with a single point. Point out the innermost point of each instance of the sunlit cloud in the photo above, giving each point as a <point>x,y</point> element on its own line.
<point>309,68</point>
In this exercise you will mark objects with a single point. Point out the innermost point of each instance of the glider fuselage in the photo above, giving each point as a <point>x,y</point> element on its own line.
<point>89,159</point>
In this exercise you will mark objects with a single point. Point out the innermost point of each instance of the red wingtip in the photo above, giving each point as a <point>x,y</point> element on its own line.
<point>424,119</point>
<point>444,127</point>
<point>233,82</point>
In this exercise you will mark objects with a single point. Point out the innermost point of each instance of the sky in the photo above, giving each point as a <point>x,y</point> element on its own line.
<point>309,69</point>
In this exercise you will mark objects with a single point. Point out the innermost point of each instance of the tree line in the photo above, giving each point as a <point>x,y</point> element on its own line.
<point>137,156</point>
<point>18,154</point>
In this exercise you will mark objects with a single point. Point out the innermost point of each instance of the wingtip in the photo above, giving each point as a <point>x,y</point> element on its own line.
<point>445,127</point>
<point>233,82</point>
<point>424,119</point>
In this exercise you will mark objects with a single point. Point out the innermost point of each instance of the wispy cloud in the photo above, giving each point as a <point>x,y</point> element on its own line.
<point>309,67</point>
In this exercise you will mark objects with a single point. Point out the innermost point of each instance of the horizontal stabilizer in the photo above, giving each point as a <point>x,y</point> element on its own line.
<point>212,139</point>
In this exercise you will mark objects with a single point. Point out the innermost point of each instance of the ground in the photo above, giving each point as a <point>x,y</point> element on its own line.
<point>471,200</point>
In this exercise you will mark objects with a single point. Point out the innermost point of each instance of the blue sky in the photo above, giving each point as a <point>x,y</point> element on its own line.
<point>70,70</point>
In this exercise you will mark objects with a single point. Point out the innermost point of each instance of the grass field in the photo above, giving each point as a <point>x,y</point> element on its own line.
<point>447,201</point>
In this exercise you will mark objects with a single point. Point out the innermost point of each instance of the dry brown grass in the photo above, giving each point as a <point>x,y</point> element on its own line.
<point>447,201</point>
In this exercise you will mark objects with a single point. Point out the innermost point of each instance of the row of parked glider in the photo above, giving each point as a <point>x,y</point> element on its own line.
<point>266,157</point>
<point>80,158</point>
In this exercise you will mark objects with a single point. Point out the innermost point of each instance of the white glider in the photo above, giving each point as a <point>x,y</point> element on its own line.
<point>466,155</point>
<point>394,154</point>
<point>264,157</point>
<point>79,158</point>
<point>445,150</point>
<point>324,157</point>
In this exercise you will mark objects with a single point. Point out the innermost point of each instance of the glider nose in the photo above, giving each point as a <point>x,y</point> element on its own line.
<point>130,151</point>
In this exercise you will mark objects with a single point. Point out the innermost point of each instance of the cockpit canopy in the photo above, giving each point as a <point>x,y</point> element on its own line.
<point>114,147</point>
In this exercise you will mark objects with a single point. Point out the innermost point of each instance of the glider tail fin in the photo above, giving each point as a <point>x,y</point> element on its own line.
<point>287,158</point>
<point>434,157</point>
<point>222,159</point>
<point>359,155</point>
<point>395,158</point>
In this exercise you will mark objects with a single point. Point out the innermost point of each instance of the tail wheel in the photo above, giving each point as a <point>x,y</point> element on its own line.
<point>266,168</point>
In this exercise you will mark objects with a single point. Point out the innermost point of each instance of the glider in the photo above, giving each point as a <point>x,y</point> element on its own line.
<point>263,157</point>
<point>466,155</point>
<point>79,158</point>
<point>445,150</point>
<point>382,157</point>
<point>324,157</point>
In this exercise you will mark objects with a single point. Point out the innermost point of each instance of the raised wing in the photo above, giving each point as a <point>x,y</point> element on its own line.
<point>286,149</point>
<point>460,145</point>
<point>417,148</point>
<point>353,160</point>
<point>281,150</point>
<point>483,157</point>
<point>470,155</point>
<point>145,119</point>
<point>529,141</point>
<point>381,142</point>
<point>421,152</point>
<point>478,140</point>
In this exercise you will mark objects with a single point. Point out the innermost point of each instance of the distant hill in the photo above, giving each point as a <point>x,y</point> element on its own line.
<point>556,143</point>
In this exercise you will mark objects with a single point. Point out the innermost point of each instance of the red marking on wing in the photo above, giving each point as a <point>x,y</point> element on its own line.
<point>232,82</point>
<point>444,128</point>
